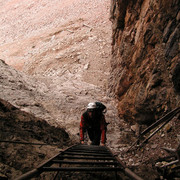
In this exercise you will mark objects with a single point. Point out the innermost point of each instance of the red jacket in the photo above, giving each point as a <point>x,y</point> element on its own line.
<point>84,124</point>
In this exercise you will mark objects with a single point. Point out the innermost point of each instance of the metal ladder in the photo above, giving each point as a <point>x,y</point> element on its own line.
<point>82,158</point>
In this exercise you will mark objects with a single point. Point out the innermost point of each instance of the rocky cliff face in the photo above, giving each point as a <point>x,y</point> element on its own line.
<point>145,75</point>
<point>21,132</point>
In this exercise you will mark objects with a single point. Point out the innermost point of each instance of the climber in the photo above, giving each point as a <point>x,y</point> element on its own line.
<point>93,121</point>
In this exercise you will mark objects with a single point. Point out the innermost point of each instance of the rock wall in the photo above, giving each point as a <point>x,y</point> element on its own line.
<point>145,64</point>
<point>18,128</point>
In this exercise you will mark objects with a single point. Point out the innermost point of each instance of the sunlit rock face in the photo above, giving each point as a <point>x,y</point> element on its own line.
<point>145,65</point>
<point>58,54</point>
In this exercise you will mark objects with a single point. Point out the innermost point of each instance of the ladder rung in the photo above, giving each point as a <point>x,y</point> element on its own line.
<point>81,169</point>
<point>86,154</point>
<point>85,162</point>
<point>79,157</point>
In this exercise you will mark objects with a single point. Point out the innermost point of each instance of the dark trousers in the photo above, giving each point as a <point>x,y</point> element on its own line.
<point>94,136</point>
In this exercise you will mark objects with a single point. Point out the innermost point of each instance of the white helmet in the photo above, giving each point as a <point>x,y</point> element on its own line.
<point>91,106</point>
